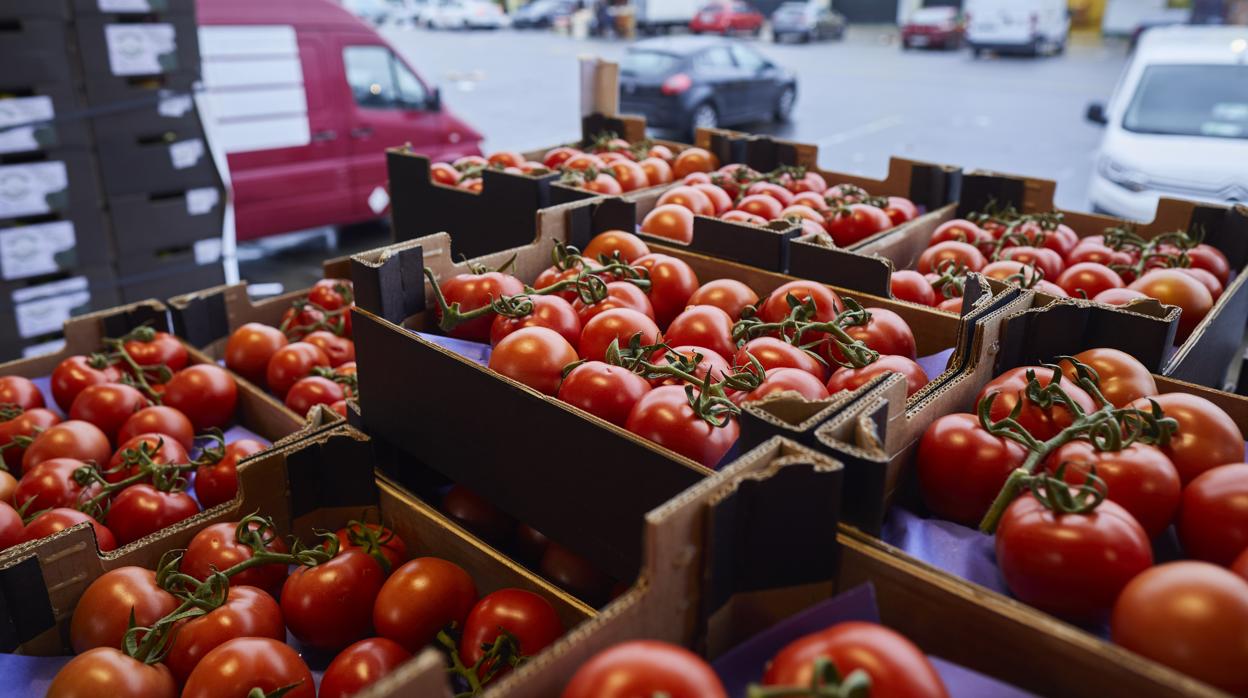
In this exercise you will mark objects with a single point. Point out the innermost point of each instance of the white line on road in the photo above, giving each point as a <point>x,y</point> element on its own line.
<point>859,131</point>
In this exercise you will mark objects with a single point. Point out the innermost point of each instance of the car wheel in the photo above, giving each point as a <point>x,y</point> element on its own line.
<point>976,52</point>
<point>784,105</point>
<point>704,116</point>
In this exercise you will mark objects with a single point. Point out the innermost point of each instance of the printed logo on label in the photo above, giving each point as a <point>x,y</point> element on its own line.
<point>201,201</point>
<point>141,49</point>
<point>16,138</point>
<point>30,189</point>
<point>186,154</point>
<point>32,249</point>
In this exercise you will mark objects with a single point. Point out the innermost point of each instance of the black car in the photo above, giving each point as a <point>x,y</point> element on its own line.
<point>541,14</point>
<point>683,83</point>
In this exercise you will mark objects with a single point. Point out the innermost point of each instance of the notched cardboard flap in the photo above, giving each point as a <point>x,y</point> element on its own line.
<point>390,282</point>
<point>853,437</point>
<point>598,124</point>
<point>1144,329</point>
<point>933,186</point>
<point>24,611</point>
<point>762,153</point>
<point>839,267</point>
<point>335,471</point>
<point>612,213</point>
<point>981,190</point>
<point>203,317</point>
<point>1225,229</point>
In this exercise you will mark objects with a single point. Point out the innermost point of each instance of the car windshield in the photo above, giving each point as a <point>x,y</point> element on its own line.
<point>932,15</point>
<point>648,63</point>
<point>1191,100</point>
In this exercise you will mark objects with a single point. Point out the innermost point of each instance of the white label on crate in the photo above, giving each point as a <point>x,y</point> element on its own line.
<point>378,200</point>
<point>207,251</point>
<point>175,106</point>
<point>24,188</point>
<point>125,6</point>
<point>201,201</point>
<point>135,49</point>
<point>15,138</point>
<point>31,250</point>
<point>186,154</point>
<point>44,309</point>
<point>49,347</point>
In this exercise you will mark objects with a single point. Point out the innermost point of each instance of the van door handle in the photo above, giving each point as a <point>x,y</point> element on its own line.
<point>320,136</point>
<point>362,132</point>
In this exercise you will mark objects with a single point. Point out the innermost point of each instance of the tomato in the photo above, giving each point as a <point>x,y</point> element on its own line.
<point>12,530</point>
<point>1212,260</point>
<point>1206,438</point>
<point>529,618</point>
<point>630,175</point>
<point>103,612</point>
<point>1206,279</point>
<point>236,667</point>
<point>810,199</point>
<point>1060,240</point>
<point>720,201</point>
<point>1139,478</point>
<point>781,380</point>
<point>312,391</point>
<point>669,221</point>
<point>1190,616</point>
<point>56,520</point>
<point>340,350</point>
<point>776,307</point>
<point>1213,520</point>
<point>443,173</point>
<point>160,449</point>
<point>901,210</point>
<point>554,274</point>
<point>163,349</point>
<point>908,285</point>
<point>581,162</point>
<point>703,326</point>
<point>8,485</point>
<point>665,417</point>
<point>1043,424</point>
<point>773,353</point>
<point>738,216</point>
<point>469,162</point>
<point>534,356</point>
<point>30,424</point>
<point>573,573</point>
<point>801,212</point>
<point>849,378</point>
<point>856,222</point>
<point>775,191</point>
<point>962,467</point>
<point>107,671</point>
<point>361,665</point>
<point>472,291</point>
<point>657,171</point>
<point>960,230</point>
<point>557,156</point>
<point>506,158</point>
<point>608,243</point>
<point>885,332</point>
<point>205,393</point>
<point>602,183</point>
<point>159,419</point>
<point>1173,287</point>
<point>247,612</point>
<point>551,312</point>
<point>672,282</point>
<point>218,482</point>
<point>961,253</point>
<point>329,606</point>
<point>74,374</point>
<point>896,667</point>
<point>107,406</point>
<point>16,390</point>
<point>1097,253</point>
<point>1087,279</point>
<point>472,184</point>
<point>603,390</point>
<point>707,362</point>
<point>729,295</point>
<point>140,510</point>
<point>215,547</point>
<point>374,540</point>
<point>620,294</point>
<point>761,205</point>
<point>1121,378</point>
<point>292,363</point>
<point>616,324</point>
<point>951,305</point>
<point>421,598</point>
<point>1045,260</point>
<point>51,484</point>
<point>694,160</point>
<point>1118,296</point>
<point>645,668</point>
<point>479,516</point>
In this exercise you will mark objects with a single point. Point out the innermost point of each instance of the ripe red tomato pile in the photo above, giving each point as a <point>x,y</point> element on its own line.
<point>634,338</point>
<point>1077,468</point>
<point>310,359</point>
<point>143,426</point>
<point>873,659</point>
<point>222,608</point>
<point>843,214</point>
<point>1039,251</point>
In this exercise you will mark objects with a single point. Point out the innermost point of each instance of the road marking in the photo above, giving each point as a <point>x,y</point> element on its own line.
<point>859,131</point>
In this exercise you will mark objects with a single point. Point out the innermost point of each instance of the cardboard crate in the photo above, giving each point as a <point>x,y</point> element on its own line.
<point>38,48</point>
<point>46,185</point>
<point>33,312</point>
<point>37,250</point>
<point>50,114</point>
<point>45,9</point>
<point>85,8</point>
<point>154,112</point>
<point>158,166</point>
<point>146,223</point>
<point>176,272</point>
<point>304,487</point>
<point>118,48</point>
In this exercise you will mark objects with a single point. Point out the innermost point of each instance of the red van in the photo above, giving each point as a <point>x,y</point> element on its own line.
<point>305,98</point>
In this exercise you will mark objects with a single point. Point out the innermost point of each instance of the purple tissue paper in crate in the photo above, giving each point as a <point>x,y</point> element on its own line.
<point>745,663</point>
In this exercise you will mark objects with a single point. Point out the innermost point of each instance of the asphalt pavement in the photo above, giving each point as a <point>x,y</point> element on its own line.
<point>861,100</point>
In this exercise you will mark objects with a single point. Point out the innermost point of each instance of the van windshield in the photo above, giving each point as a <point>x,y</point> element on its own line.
<point>1191,100</point>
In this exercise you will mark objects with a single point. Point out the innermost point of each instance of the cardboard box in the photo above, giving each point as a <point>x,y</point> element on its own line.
<point>175,272</point>
<point>38,48</point>
<point>303,486</point>
<point>170,165</point>
<point>121,47</point>
<point>56,184</point>
<point>37,250</point>
<point>153,113</point>
<point>50,118</point>
<point>147,223</point>
<point>33,312</point>
<point>45,9</point>
<point>85,8</point>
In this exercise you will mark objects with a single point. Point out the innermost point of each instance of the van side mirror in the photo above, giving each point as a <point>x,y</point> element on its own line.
<point>434,102</point>
<point>1096,113</point>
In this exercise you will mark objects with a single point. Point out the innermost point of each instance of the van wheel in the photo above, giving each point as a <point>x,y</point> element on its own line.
<point>704,116</point>
<point>784,105</point>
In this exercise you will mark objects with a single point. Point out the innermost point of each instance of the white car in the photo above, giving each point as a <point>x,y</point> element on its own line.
<point>465,14</point>
<point>1030,27</point>
<point>1177,124</point>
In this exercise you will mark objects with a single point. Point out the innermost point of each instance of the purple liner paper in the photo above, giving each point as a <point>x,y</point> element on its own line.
<point>935,364</point>
<point>745,663</point>
<point>473,351</point>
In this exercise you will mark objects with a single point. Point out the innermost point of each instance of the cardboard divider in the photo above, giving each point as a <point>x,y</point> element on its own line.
<point>304,487</point>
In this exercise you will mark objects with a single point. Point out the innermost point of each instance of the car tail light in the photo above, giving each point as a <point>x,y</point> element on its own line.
<point>676,84</point>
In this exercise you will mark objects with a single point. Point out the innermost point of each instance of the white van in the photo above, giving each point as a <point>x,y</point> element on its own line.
<point>1177,124</point>
<point>1030,27</point>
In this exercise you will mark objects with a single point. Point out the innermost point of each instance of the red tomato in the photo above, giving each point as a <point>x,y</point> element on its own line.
<point>848,378</point>
<point>738,216</point>
<point>534,356</point>
<point>602,183</point>
<point>776,307</point>
<point>360,666</point>
<point>951,305</point>
<point>669,221</point>
<point>896,667</point>
<point>506,158</point>
<point>218,482</point>
<point>1212,260</point>
<point>687,196</point>
<point>773,353</point>
<point>551,312</point>
<point>694,160</point>
<point>707,362</point>
<point>1173,287</point>
<point>908,285</point>
<point>812,199</point>
<point>215,547</point>
<point>1213,521</point>
<point>1190,616</point>
<point>884,332</point>
<point>292,363</point>
<point>340,350</point>
<point>781,380</point>
<point>163,349</point>
<point>554,274</point>
<point>159,419</point>
<point>472,291</point>
<point>1140,478</point>
<point>236,667</point>
<point>1061,240</point>
<point>1043,424</point>
<point>469,161</point>
<point>557,156</point>
<point>1121,378</point>
<point>800,212</point>
<point>1087,279</point>
<point>140,510</point>
<point>645,668</point>
<point>583,161</point>
<point>960,230</point>
<point>720,201</point>
<point>761,205</point>
<point>247,612</point>
<point>529,618</point>
<point>205,393</point>
<point>611,325</point>
<point>657,171</point>
<point>56,520</point>
<point>629,246</point>
<point>729,295</point>
<point>312,391</point>
<point>775,191</point>
<point>662,152</point>
<point>855,223</point>
<point>603,390</point>
<point>1044,259</point>
<point>1206,279</point>
<point>1118,296</point>
<point>107,406</point>
<point>421,598</point>
<point>573,573</point>
<point>672,283</point>
<point>8,485</point>
<point>962,467</point>
<point>159,448</point>
<point>442,173</point>
<point>665,417</point>
<point>901,210</point>
<point>51,484</point>
<point>28,424</point>
<point>472,184</point>
<point>1206,438</point>
<point>1096,253</point>
<point>630,175</point>
<point>620,294</point>
<point>104,611</point>
<point>703,326</point>
<point>374,540</point>
<point>329,606</point>
<point>74,374</point>
<point>16,390</point>
<point>473,512</point>
<point>12,530</point>
<point>107,671</point>
<point>960,252</point>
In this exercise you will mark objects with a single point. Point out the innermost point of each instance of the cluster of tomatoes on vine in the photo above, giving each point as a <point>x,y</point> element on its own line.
<point>634,338</point>
<point>212,620</point>
<point>1040,251</point>
<point>143,425</point>
<point>309,359</point>
<point>842,214</point>
<point>1078,467</point>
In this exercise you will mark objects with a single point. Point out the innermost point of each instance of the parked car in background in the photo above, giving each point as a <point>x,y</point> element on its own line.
<point>654,16</point>
<point>466,14</point>
<point>373,11</point>
<point>806,21</point>
<point>1029,27</point>
<point>734,17</point>
<point>305,98</point>
<point>932,27</point>
<point>542,14</point>
<point>1177,124</point>
<point>682,83</point>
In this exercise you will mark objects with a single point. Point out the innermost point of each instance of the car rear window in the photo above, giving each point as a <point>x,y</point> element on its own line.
<point>1191,100</point>
<point>649,63</point>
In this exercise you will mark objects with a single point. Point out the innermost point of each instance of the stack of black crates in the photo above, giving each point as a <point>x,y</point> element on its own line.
<point>108,189</point>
